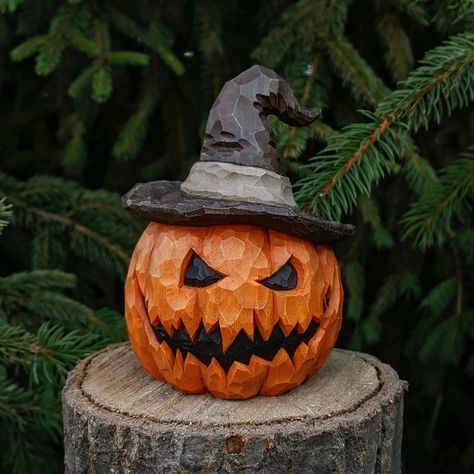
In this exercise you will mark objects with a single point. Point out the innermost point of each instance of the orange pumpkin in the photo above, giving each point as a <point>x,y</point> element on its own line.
<point>233,310</point>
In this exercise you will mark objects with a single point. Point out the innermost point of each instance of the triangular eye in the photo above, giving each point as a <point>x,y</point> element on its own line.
<point>283,280</point>
<point>199,274</point>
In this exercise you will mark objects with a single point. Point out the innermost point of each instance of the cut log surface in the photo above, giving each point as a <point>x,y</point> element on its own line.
<point>346,419</point>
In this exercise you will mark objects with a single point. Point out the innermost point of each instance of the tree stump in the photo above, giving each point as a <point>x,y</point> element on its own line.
<point>346,419</point>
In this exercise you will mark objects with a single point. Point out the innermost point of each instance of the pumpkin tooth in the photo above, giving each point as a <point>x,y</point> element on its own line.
<point>170,330</point>
<point>312,351</point>
<point>152,340</point>
<point>209,310</point>
<point>238,377</point>
<point>244,381</point>
<point>191,322</point>
<point>183,311</point>
<point>313,344</point>
<point>284,313</point>
<point>280,375</point>
<point>169,357</point>
<point>286,326</point>
<point>257,364</point>
<point>153,314</point>
<point>229,334</point>
<point>192,374</point>
<point>302,363</point>
<point>301,356</point>
<point>265,322</point>
<point>317,319</point>
<point>302,326</point>
<point>167,323</point>
<point>178,367</point>
<point>210,328</point>
<point>192,325</point>
<point>242,321</point>
<point>178,324</point>
<point>248,327</point>
<point>215,379</point>
<point>164,360</point>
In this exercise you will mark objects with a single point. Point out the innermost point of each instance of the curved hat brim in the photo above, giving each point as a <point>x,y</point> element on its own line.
<point>164,201</point>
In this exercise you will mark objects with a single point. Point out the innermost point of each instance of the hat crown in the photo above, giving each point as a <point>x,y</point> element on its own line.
<point>237,130</point>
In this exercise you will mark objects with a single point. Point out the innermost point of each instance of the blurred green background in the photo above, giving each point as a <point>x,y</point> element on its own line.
<point>97,95</point>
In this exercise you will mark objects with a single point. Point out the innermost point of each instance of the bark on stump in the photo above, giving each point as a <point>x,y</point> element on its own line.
<point>346,419</point>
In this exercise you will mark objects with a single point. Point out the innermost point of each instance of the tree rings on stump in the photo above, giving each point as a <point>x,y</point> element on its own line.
<point>346,419</point>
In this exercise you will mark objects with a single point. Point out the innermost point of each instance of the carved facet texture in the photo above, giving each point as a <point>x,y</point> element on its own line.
<point>164,201</point>
<point>235,338</point>
<point>218,180</point>
<point>237,130</point>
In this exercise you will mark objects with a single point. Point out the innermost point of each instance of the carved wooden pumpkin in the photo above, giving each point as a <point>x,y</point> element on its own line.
<point>234,310</point>
<point>230,289</point>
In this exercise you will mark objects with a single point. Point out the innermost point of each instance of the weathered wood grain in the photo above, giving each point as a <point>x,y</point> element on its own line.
<point>346,419</point>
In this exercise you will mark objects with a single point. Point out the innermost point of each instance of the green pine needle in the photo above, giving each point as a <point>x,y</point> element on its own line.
<point>101,84</point>
<point>430,220</point>
<point>97,228</point>
<point>399,55</point>
<point>363,153</point>
<point>5,214</point>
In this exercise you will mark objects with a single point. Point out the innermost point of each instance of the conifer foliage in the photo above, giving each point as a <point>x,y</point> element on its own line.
<point>43,329</point>
<point>97,95</point>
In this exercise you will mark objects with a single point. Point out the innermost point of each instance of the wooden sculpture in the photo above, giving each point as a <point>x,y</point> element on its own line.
<point>231,288</point>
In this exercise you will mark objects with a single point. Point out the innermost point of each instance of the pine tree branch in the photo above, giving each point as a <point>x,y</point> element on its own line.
<point>307,22</point>
<point>210,43</point>
<point>371,139</point>
<point>430,219</point>
<point>354,72</point>
<point>57,351</point>
<point>5,213</point>
<point>45,216</point>
<point>370,215</point>
<point>444,81</point>
<point>459,279</point>
<point>454,15</point>
<point>292,140</point>
<point>39,280</point>
<point>322,131</point>
<point>75,154</point>
<point>419,174</point>
<point>97,227</point>
<point>399,56</point>
<point>102,77</point>
<point>416,9</point>
<point>354,278</point>
<point>133,133</point>
<point>155,37</point>
<point>439,297</point>
<point>15,343</point>
<point>10,6</point>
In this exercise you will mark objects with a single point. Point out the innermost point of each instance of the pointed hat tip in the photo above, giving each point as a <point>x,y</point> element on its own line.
<point>237,130</point>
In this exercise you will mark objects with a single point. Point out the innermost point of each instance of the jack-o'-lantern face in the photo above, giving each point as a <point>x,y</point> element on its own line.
<point>234,310</point>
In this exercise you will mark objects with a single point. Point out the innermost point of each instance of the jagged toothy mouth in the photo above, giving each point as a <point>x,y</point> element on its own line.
<point>206,345</point>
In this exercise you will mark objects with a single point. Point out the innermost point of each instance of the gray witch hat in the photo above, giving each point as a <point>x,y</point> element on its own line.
<point>237,179</point>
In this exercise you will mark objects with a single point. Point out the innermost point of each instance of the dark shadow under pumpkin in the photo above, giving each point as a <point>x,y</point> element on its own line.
<point>205,346</point>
